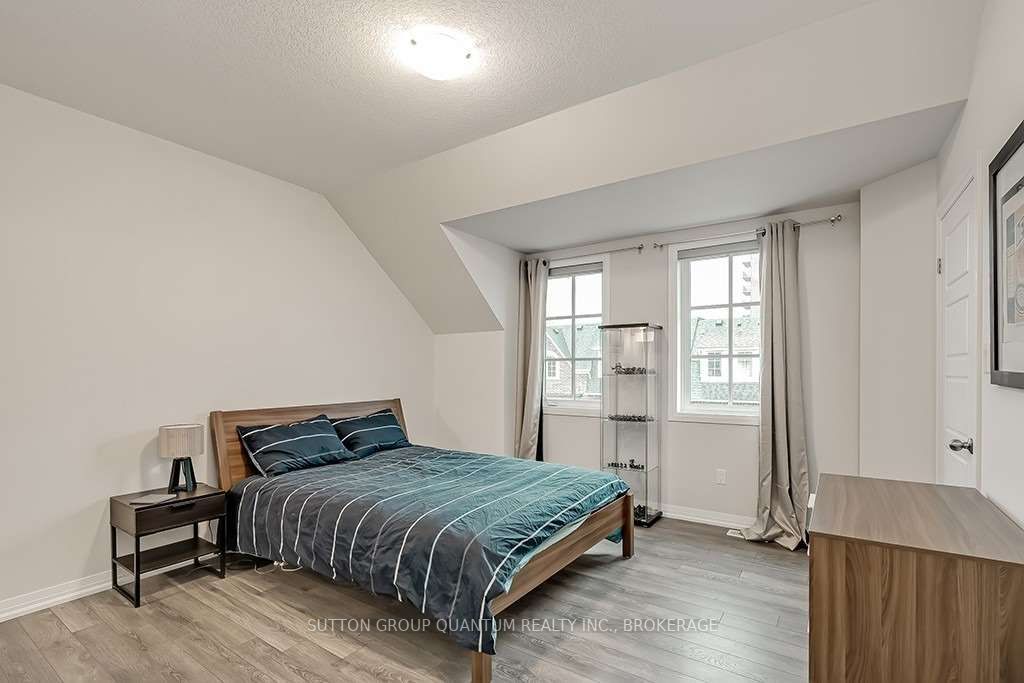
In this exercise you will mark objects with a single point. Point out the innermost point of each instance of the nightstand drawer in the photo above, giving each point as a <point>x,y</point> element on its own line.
<point>178,514</point>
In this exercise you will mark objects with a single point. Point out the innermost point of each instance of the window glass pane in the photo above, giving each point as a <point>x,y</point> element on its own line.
<point>557,339</point>
<point>746,278</point>
<point>746,373</point>
<point>588,380</point>
<point>709,281</point>
<point>558,379</point>
<point>713,365</point>
<point>588,294</point>
<point>709,331</point>
<point>559,297</point>
<point>746,326</point>
<point>706,387</point>
<point>588,338</point>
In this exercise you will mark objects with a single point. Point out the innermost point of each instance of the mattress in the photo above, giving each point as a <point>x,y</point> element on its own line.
<point>443,530</point>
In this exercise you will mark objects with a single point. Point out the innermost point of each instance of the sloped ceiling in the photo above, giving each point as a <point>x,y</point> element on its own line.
<point>822,170</point>
<point>310,91</point>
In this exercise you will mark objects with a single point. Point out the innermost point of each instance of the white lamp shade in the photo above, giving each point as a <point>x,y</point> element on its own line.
<point>181,441</point>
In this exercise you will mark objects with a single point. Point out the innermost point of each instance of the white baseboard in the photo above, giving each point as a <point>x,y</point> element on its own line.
<point>44,598</point>
<point>722,519</point>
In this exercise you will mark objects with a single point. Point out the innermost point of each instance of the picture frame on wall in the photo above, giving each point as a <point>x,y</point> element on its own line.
<point>1006,200</point>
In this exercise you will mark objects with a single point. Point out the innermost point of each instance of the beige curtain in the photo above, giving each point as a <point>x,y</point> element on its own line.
<point>533,284</point>
<point>783,484</point>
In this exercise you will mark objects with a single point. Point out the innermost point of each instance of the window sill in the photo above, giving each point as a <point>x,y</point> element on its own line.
<point>572,411</point>
<point>717,418</point>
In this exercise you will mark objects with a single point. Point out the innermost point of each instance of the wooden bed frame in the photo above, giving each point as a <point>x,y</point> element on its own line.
<point>233,466</point>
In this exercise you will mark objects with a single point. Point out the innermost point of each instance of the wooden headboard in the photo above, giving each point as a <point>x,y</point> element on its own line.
<point>232,463</point>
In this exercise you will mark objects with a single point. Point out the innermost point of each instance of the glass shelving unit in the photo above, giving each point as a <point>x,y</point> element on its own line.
<point>631,412</point>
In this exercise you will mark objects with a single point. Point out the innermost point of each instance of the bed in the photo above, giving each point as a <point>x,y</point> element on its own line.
<point>460,536</point>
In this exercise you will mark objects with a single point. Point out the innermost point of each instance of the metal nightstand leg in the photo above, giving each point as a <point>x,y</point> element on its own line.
<point>134,599</point>
<point>222,541</point>
<point>138,570</point>
<point>113,557</point>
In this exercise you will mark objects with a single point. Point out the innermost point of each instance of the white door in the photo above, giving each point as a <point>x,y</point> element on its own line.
<point>957,416</point>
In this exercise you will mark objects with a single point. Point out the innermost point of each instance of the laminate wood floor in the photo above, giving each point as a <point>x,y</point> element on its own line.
<point>254,626</point>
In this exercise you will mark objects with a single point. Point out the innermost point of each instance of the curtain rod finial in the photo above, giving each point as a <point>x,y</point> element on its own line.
<point>835,219</point>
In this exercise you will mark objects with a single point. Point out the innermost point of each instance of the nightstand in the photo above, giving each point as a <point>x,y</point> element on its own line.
<point>204,504</point>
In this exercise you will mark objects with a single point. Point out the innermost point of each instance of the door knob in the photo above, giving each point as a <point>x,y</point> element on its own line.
<point>958,445</point>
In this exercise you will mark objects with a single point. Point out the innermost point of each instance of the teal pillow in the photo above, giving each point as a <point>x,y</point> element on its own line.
<point>276,449</point>
<point>369,434</point>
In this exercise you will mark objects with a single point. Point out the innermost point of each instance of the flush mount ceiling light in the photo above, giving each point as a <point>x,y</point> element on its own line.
<point>436,52</point>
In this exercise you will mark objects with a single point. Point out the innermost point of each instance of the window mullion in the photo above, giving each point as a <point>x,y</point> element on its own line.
<point>572,338</point>
<point>703,307</point>
<point>684,348</point>
<point>732,313</point>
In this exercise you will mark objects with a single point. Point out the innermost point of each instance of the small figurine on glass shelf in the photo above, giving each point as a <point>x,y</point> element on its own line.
<point>618,369</point>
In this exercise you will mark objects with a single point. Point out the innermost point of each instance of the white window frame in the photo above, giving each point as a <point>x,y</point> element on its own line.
<point>679,319</point>
<point>575,407</point>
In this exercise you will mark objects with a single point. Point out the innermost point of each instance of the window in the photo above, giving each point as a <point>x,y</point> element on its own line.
<point>572,340</point>
<point>719,330</point>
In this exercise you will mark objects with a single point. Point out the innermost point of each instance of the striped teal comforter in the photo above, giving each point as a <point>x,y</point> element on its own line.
<point>443,530</point>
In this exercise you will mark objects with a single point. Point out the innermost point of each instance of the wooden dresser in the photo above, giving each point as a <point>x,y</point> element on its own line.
<point>913,582</point>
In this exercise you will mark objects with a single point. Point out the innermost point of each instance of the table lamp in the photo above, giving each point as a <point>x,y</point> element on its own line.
<point>181,442</point>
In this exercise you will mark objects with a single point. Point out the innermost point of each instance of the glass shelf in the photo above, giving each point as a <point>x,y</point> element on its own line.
<point>624,467</point>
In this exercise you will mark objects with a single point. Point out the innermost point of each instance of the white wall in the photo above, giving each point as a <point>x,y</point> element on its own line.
<point>829,291</point>
<point>142,283</point>
<point>475,371</point>
<point>994,109</point>
<point>897,325</point>
<point>471,397</point>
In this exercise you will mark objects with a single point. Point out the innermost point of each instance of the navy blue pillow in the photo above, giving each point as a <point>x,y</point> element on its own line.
<point>276,449</point>
<point>366,435</point>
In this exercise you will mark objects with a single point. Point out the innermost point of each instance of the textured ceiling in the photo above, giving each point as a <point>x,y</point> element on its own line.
<point>817,171</point>
<point>309,90</point>
<point>807,82</point>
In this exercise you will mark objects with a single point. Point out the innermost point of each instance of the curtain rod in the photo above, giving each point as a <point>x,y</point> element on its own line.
<point>831,220</point>
<point>639,248</point>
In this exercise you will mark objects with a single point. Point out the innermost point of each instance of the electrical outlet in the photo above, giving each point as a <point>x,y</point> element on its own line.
<point>720,477</point>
